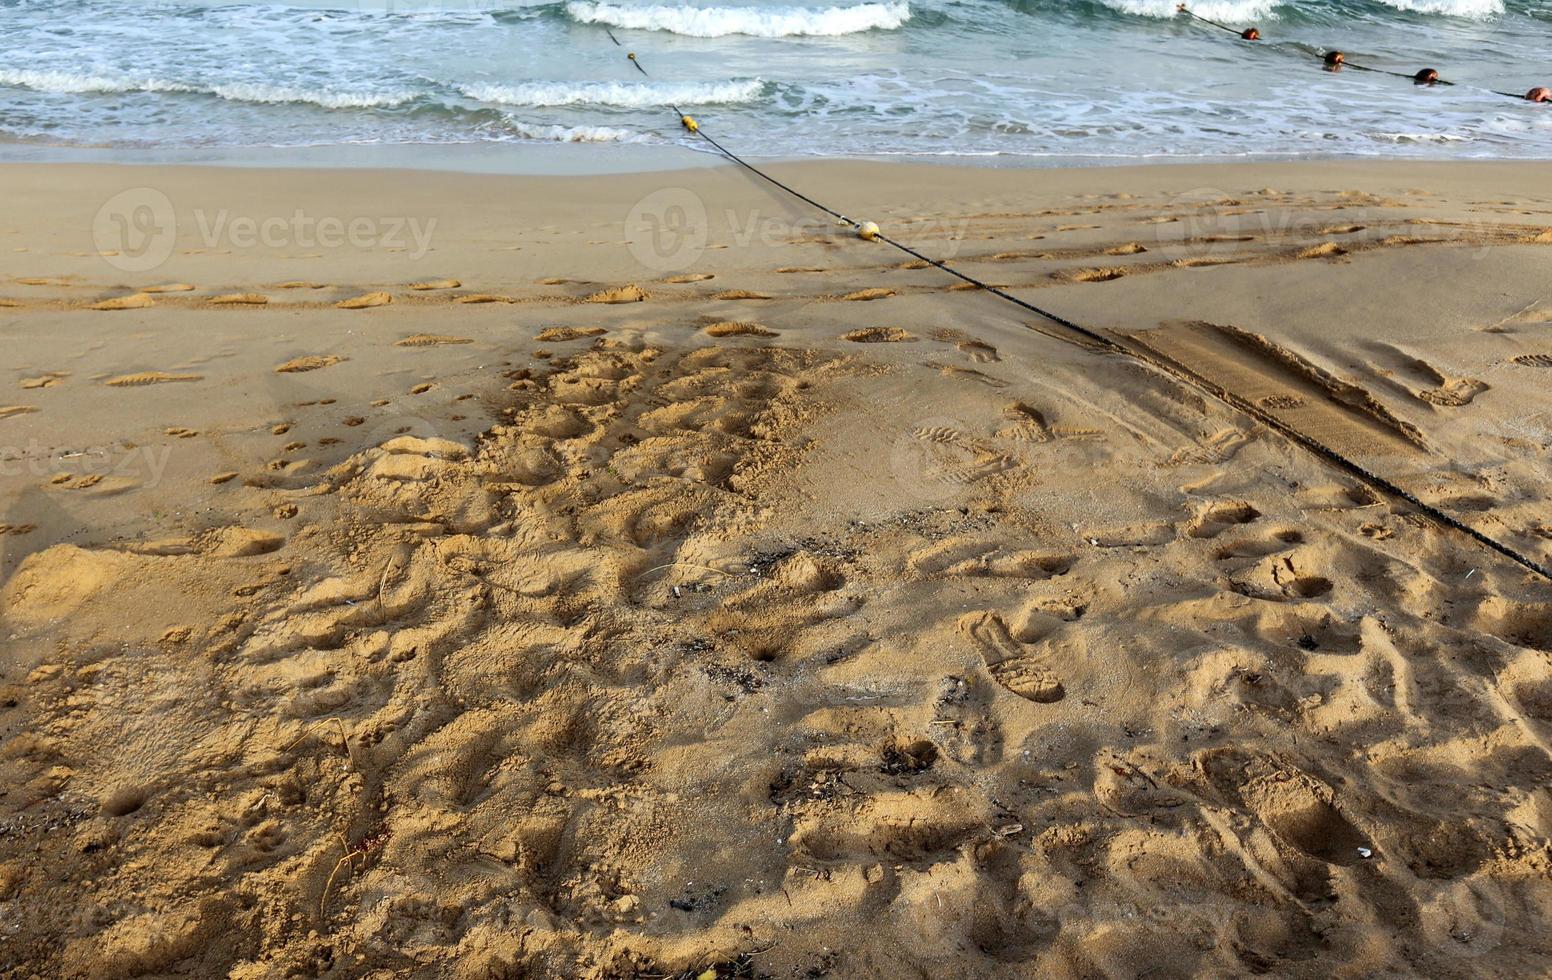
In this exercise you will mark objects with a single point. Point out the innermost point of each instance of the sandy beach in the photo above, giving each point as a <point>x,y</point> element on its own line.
<point>427,574</point>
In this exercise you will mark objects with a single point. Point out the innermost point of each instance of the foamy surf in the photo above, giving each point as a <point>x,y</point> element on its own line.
<point>1113,79</point>
<point>326,99</point>
<point>79,83</point>
<point>751,21</point>
<point>575,134</point>
<point>1235,11</point>
<point>621,94</point>
<point>1473,9</point>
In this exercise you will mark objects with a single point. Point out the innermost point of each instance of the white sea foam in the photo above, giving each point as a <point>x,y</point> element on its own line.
<point>625,94</point>
<point>576,134</point>
<point>249,92</point>
<point>1232,11</point>
<point>1476,9</point>
<point>80,83</point>
<point>753,21</point>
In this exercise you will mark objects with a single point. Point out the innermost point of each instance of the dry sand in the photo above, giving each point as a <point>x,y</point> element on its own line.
<point>570,594</point>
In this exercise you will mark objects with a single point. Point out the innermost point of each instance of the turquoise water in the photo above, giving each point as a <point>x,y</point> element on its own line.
<point>1020,80</point>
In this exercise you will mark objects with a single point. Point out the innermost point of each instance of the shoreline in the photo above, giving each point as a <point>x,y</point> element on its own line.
<point>604,159</point>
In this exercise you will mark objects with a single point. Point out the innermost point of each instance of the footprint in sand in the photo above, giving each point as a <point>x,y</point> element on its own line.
<point>864,295</point>
<point>559,335</point>
<point>1216,518</point>
<point>623,294</point>
<point>430,340</point>
<point>1011,663</point>
<point>977,351</point>
<point>967,374</point>
<point>878,335</point>
<point>1454,392</point>
<point>738,328</point>
<point>1534,360</point>
<point>300,284</point>
<point>690,277</point>
<point>790,269</point>
<point>11,411</point>
<point>134,301</point>
<point>737,294</point>
<point>49,380</point>
<point>1205,262</point>
<point>310,362</point>
<point>239,299</point>
<point>365,301</point>
<point>1130,248</point>
<point>1027,424</point>
<point>144,378</point>
<point>169,287</point>
<point>436,284</point>
<point>478,298</point>
<point>1321,251</point>
<point>1091,275</point>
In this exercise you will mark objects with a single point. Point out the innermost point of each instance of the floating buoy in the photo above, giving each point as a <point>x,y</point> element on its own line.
<point>689,123</point>
<point>867,231</point>
<point>1336,61</point>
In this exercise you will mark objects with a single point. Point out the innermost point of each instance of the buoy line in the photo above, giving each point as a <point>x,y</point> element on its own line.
<point>1337,60</point>
<point>869,231</point>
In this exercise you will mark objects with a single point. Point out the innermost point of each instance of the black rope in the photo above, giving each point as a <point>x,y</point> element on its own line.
<point>1196,16</point>
<point>1168,366</point>
<point>1344,63</point>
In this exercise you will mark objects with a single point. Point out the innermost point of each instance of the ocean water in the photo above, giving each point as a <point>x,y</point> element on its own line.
<point>1019,80</point>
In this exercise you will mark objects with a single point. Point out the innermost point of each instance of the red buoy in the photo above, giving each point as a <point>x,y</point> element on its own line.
<point>1427,76</point>
<point>1539,94</point>
<point>1251,34</point>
